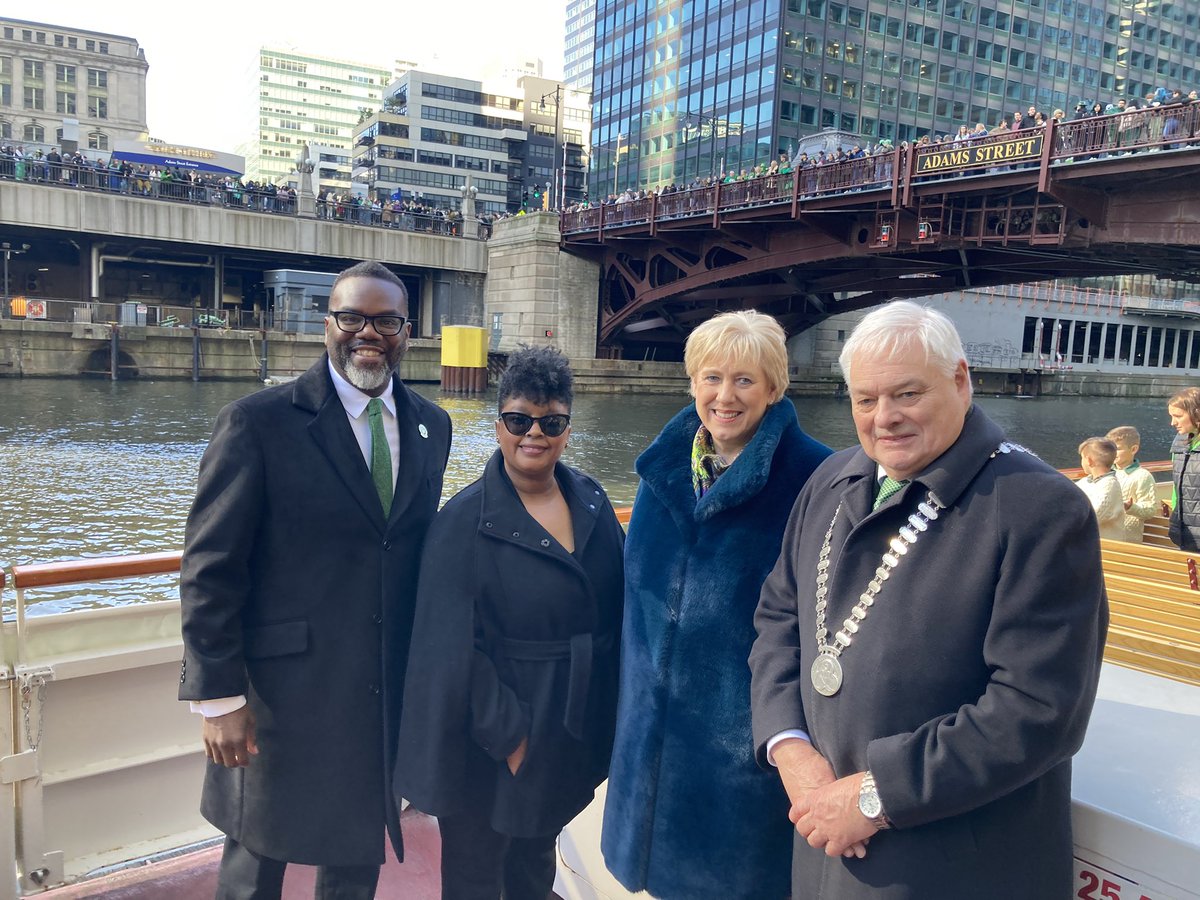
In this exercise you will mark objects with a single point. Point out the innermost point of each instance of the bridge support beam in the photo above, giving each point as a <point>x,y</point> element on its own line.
<point>535,293</point>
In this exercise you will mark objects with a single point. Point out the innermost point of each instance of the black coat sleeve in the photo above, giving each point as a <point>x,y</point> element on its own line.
<point>215,576</point>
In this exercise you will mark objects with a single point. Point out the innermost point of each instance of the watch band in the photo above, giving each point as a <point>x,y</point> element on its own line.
<point>869,789</point>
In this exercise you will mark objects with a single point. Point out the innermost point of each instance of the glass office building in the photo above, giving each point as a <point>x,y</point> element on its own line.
<point>689,89</point>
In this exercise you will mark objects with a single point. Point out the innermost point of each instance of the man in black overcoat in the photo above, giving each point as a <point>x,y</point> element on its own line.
<point>929,641</point>
<point>298,579</point>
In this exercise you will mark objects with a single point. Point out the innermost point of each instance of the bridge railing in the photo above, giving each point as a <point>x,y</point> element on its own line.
<point>1038,148</point>
<point>1157,128</point>
<point>211,191</point>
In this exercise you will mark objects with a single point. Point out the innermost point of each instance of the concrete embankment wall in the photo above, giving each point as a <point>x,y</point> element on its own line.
<point>61,349</point>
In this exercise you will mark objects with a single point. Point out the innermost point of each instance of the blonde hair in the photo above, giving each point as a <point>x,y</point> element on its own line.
<point>745,337</point>
<point>1125,434</point>
<point>1101,451</point>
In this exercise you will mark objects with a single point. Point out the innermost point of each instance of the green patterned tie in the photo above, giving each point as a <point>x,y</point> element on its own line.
<point>887,487</point>
<point>381,455</point>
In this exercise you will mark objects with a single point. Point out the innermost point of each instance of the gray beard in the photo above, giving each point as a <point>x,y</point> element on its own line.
<point>364,379</point>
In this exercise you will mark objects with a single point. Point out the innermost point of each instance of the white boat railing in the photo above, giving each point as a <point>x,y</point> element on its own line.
<point>99,762</point>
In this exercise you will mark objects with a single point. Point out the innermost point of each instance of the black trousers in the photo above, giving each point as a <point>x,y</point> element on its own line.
<point>480,864</point>
<point>245,875</point>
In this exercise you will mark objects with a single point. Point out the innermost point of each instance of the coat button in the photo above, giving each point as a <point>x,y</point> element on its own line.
<point>387,545</point>
<point>377,619</point>
<point>516,534</point>
<point>487,524</point>
<point>373,688</point>
<point>545,542</point>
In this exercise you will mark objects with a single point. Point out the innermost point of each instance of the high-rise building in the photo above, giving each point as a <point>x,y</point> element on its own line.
<point>580,41</point>
<point>70,88</point>
<point>684,89</point>
<point>310,99</point>
<point>433,132</point>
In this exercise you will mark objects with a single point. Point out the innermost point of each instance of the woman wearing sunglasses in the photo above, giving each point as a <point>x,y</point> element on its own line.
<point>510,700</point>
<point>689,815</point>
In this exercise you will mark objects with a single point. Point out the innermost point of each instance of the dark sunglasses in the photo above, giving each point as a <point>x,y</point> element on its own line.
<point>353,323</point>
<point>552,425</point>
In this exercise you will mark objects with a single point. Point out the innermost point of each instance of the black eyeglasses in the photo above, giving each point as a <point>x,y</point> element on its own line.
<point>353,323</point>
<point>552,425</point>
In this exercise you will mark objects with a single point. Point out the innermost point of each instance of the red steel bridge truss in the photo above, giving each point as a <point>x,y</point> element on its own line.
<point>1100,196</point>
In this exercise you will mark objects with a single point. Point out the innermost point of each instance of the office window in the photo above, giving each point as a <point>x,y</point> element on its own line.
<point>35,134</point>
<point>65,103</point>
<point>34,69</point>
<point>97,108</point>
<point>64,74</point>
<point>97,141</point>
<point>97,78</point>
<point>35,98</point>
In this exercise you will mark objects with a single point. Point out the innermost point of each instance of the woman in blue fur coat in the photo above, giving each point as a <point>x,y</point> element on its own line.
<point>689,814</point>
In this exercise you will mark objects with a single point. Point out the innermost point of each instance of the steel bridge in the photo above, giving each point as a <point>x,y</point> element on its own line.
<point>1107,195</point>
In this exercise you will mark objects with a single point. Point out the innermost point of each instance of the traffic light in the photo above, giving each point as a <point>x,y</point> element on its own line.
<point>885,234</point>
<point>525,199</point>
<point>924,231</point>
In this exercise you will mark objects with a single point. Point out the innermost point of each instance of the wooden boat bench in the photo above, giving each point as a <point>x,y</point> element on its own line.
<point>1154,608</point>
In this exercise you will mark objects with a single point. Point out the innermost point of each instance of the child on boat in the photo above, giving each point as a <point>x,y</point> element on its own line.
<point>1096,457</point>
<point>1137,485</point>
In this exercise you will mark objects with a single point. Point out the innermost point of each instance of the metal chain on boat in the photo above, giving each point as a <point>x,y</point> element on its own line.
<point>30,682</point>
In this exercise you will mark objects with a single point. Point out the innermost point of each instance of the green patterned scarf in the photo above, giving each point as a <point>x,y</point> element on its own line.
<point>707,464</point>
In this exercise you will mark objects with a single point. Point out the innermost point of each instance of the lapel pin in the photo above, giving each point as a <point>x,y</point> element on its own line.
<point>422,430</point>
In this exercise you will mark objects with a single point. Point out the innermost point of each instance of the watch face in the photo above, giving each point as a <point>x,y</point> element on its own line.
<point>869,804</point>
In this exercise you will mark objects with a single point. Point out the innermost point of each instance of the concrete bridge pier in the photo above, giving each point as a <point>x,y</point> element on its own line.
<point>536,294</point>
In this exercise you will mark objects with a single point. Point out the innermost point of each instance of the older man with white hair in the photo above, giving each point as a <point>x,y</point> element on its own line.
<point>929,641</point>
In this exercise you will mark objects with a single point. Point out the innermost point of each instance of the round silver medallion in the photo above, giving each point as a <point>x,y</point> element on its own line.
<point>827,674</point>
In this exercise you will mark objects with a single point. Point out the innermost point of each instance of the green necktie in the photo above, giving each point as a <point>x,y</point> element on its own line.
<point>887,487</point>
<point>381,455</point>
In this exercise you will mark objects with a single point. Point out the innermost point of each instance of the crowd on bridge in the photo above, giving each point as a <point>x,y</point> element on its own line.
<point>408,215</point>
<point>1163,120</point>
<point>118,176</point>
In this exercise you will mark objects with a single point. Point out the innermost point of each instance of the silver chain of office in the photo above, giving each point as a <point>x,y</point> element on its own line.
<point>826,671</point>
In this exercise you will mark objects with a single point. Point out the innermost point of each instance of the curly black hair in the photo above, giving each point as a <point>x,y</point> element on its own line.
<point>541,375</point>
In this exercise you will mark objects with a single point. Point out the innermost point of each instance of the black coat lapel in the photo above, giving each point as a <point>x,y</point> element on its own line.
<point>330,430</point>
<point>413,450</point>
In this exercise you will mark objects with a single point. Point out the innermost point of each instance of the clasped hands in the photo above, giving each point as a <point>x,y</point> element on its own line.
<point>824,808</point>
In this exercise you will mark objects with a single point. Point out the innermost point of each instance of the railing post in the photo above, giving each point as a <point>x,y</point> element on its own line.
<point>1047,153</point>
<point>195,352</point>
<point>8,791</point>
<point>37,869</point>
<point>262,359</point>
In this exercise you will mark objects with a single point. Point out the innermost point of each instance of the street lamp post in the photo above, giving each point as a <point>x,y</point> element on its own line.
<point>558,142</point>
<point>9,251</point>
